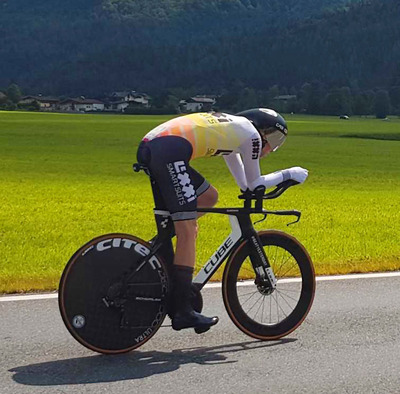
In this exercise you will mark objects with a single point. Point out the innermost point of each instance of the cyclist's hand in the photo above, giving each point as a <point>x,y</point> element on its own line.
<point>298,174</point>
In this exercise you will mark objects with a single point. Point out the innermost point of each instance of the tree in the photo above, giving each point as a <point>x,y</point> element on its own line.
<point>333,103</point>
<point>3,98</point>
<point>315,98</point>
<point>394,94</point>
<point>360,105</point>
<point>346,100</point>
<point>370,99</point>
<point>382,104</point>
<point>247,99</point>
<point>338,101</point>
<point>14,93</point>
<point>273,91</point>
<point>227,101</point>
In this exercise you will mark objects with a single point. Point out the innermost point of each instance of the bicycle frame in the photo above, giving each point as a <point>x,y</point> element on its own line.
<point>242,230</point>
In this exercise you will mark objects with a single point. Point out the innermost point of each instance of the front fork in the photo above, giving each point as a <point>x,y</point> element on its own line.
<point>265,277</point>
<point>259,260</point>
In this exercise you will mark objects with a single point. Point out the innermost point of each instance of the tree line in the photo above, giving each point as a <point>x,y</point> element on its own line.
<point>311,98</point>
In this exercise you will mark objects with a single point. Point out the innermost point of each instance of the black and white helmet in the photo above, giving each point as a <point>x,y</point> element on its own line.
<point>271,126</point>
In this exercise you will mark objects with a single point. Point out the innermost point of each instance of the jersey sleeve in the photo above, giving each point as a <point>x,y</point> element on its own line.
<point>250,151</point>
<point>236,167</point>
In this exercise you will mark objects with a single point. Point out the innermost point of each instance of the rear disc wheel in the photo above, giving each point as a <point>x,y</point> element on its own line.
<point>97,308</point>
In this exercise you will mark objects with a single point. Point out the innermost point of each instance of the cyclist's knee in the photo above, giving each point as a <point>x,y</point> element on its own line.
<point>186,229</point>
<point>209,198</point>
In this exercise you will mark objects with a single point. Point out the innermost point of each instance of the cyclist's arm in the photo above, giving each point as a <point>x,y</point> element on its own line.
<point>235,165</point>
<point>250,152</point>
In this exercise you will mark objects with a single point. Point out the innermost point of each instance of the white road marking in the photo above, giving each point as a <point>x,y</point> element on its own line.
<point>28,297</point>
<point>31,297</point>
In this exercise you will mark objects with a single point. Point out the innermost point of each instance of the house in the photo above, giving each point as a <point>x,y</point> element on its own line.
<point>81,104</point>
<point>131,97</point>
<point>121,96</point>
<point>46,103</point>
<point>141,99</point>
<point>117,106</point>
<point>285,97</point>
<point>197,103</point>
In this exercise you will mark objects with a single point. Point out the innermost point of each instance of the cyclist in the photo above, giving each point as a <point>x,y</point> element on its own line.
<point>242,139</point>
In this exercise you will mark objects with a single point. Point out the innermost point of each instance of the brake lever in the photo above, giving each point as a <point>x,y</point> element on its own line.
<point>298,215</point>
<point>261,220</point>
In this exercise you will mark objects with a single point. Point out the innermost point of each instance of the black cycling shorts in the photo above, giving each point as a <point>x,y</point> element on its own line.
<point>168,161</point>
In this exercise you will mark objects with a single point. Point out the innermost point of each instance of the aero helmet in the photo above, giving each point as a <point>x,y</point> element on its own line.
<point>271,126</point>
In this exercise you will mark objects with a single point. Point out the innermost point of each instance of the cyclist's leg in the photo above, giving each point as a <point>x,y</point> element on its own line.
<point>186,234</point>
<point>169,165</point>
<point>207,195</point>
<point>208,199</point>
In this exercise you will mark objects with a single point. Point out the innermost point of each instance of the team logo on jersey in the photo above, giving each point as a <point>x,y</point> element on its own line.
<point>184,189</point>
<point>256,148</point>
<point>218,152</point>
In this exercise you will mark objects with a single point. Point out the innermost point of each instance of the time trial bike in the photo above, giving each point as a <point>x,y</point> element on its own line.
<point>115,291</point>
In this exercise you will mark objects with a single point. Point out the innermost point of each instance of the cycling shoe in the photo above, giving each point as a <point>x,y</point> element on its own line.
<point>194,320</point>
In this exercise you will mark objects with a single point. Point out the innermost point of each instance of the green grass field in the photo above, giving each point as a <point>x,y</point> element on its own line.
<point>67,178</point>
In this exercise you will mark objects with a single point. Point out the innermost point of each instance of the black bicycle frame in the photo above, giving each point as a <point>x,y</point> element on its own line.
<point>242,230</point>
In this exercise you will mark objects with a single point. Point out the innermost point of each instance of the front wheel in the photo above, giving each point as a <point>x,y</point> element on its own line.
<point>254,309</point>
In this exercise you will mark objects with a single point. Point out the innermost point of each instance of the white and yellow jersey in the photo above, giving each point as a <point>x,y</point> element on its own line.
<point>217,134</point>
<point>210,134</point>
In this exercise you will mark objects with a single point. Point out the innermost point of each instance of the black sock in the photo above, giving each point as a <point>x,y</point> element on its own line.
<point>182,276</point>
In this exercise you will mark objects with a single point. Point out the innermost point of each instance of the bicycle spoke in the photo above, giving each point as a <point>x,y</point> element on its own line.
<point>262,311</point>
<point>263,297</point>
<point>243,295</point>
<point>254,304</point>
<point>280,307</point>
<point>283,264</point>
<point>250,298</point>
<point>270,309</point>
<point>289,290</point>
<point>293,265</point>
<point>286,291</point>
<point>245,269</point>
<point>284,299</point>
<point>277,309</point>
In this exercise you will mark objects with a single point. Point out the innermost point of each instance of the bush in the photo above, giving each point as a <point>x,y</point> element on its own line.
<point>8,106</point>
<point>150,111</point>
<point>34,106</point>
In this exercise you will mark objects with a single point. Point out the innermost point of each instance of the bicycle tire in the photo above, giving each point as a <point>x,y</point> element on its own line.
<point>232,287</point>
<point>86,281</point>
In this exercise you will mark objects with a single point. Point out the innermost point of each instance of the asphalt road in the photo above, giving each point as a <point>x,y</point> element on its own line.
<point>350,342</point>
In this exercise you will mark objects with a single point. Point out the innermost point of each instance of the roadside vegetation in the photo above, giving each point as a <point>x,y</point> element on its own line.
<point>68,178</point>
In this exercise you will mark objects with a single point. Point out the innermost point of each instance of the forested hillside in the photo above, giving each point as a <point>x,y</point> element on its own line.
<point>92,46</point>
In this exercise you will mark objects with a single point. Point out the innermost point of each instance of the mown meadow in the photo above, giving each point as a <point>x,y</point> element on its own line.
<point>68,178</point>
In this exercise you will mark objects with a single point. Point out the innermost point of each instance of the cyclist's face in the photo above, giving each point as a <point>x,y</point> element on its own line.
<point>272,140</point>
<point>266,150</point>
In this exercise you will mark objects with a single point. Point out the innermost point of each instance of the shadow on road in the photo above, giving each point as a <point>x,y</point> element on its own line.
<point>135,365</point>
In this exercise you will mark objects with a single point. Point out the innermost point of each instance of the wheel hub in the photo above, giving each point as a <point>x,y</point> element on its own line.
<point>265,289</point>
